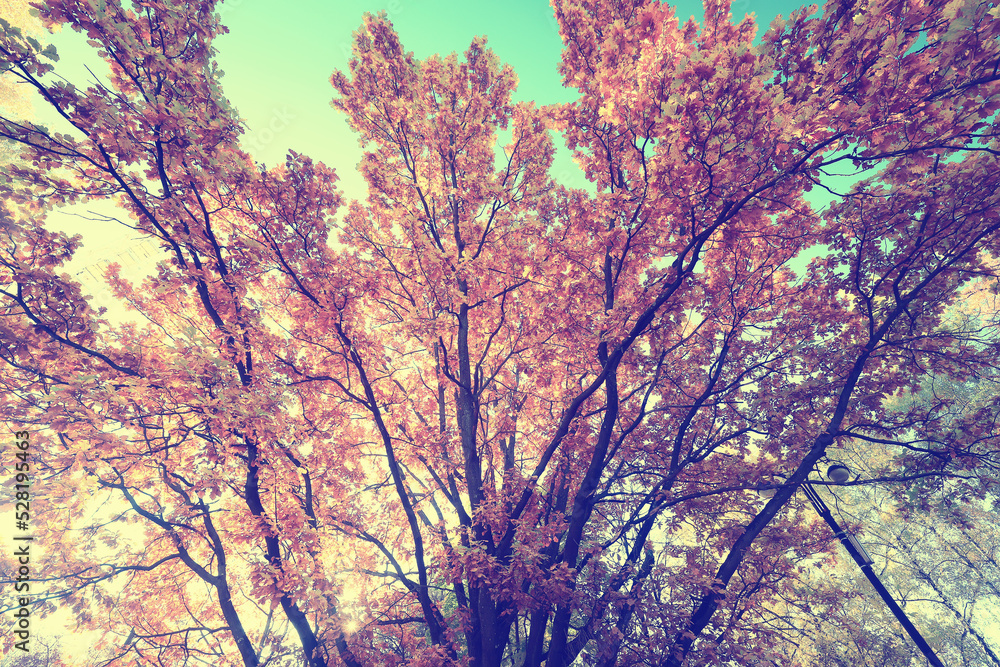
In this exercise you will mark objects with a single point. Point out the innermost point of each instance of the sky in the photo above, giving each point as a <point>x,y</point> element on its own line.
<point>278,64</point>
<point>277,60</point>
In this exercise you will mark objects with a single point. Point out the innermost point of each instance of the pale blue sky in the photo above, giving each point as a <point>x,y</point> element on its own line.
<point>278,58</point>
<point>278,62</point>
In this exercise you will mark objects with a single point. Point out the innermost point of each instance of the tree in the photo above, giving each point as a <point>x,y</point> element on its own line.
<point>44,654</point>
<point>934,551</point>
<point>480,418</point>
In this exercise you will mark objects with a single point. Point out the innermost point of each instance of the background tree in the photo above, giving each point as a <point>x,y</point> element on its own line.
<point>935,551</point>
<point>481,418</point>
<point>932,549</point>
<point>45,653</point>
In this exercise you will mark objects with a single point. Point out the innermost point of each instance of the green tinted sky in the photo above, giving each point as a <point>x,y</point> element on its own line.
<point>278,59</point>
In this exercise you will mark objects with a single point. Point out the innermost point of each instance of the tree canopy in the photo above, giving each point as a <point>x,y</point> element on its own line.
<point>478,417</point>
